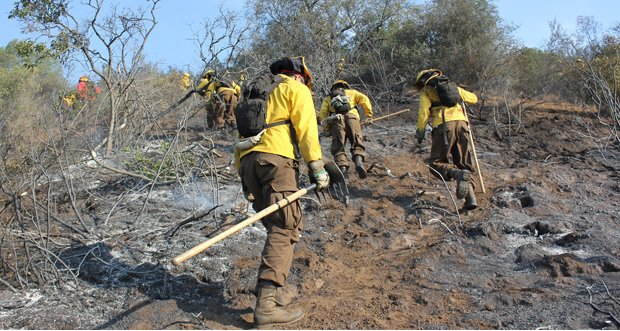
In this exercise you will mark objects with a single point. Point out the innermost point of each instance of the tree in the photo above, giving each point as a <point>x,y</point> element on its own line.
<point>591,65</point>
<point>535,72</point>
<point>466,39</point>
<point>299,27</point>
<point>109,41</point>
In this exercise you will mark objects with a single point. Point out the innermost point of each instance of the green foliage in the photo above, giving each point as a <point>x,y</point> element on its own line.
<point>166,161</point>
<point>38,11</point>
<point>535,72</point>
<point>26,71</point>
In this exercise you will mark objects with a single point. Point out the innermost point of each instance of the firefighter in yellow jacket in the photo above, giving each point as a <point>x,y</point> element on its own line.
<point>223,97</point>
<point>339,114</point>
<point>186,81</point>
<point>450,136</point>
<point>269,172</point>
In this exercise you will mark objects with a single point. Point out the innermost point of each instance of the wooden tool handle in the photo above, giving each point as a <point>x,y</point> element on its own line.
<point>272,208</point>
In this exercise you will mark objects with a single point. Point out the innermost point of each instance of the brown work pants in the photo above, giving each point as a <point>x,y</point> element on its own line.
<point>458,146</point>
<point>270,178</point>
<point>222,112</point>
<point>341,131</point>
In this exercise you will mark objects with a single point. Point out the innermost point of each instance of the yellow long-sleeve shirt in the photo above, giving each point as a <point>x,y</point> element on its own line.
<point>427,112</point>
<point>291,100</point>
<point>212,86</point>
<point>356,98</point>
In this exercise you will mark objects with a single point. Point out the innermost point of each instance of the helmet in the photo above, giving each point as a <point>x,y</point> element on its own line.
<point>292,65</point>
<point>208,74</point>
<point>340,84</point>
<point>186,74</point>
<point>83,79</point>
<point>424,76</point>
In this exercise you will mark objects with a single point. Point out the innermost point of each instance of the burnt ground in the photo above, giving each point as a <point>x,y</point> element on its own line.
<point>542,252</point>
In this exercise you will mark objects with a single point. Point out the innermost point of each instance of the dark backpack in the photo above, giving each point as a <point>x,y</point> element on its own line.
<point>447,91</point>
<point>251,112</point>
<point>340,101</point>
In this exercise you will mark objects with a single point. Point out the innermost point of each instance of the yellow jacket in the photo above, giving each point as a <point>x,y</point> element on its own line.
<point>355,98</point>
<point>186,82</point>
<point>428,95</point>
<point>291,100</point>
<point>213,86</point>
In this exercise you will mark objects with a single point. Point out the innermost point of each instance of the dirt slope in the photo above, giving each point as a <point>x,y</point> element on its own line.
<point>541,252</point>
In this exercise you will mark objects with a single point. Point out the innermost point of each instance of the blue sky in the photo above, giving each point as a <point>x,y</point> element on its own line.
<point>171,45</point>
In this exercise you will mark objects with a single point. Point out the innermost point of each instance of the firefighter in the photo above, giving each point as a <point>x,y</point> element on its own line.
<point>450,134</point>
<point>339,112</point>
<point>223,96</point>
<point>269,172</point>
<point>87,91</point>
<point>186,81</point>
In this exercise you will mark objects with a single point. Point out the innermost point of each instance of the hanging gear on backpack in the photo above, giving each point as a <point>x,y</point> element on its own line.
<point>340,101</point>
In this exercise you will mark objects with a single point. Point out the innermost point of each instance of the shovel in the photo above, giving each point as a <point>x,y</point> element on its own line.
<point>372,120</point>
<point>337,187</point>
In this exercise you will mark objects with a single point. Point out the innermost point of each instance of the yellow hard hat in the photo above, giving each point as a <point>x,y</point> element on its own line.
<point>186,74</point>
<point>208,73</point>
<point>425,75</point>
<point>83,79</point>
<point>340,84</point>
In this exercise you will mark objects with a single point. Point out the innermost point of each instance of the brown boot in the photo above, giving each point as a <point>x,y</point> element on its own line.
<point>470,199</point>
<point>359,166</point>
<point>267,314</point>
<point>279,300</point>
<point>462,182</point>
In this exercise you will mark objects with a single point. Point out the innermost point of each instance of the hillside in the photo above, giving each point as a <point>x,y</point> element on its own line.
<point>541,252</point>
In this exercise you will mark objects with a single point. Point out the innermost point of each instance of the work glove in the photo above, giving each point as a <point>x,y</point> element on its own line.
<point>318,174</point>
<point>367,121</point>
<point>419,135</point>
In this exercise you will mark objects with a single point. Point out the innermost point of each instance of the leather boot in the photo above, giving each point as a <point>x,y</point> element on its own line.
<point>359,166</point>
<point>462,181</point>
<point>267,314</point>
<point>279,300</point>
<point>470,199</point>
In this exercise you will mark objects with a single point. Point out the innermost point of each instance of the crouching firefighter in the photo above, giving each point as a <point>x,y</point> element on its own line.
<point>339,114</point>
<point>276,115</point>
<point>440,103</point>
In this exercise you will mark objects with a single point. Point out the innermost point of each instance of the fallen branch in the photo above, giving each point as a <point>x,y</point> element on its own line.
<point>599,309</point>
<point>189,220</point>
<point>7,284</point>
<point>433,220</point>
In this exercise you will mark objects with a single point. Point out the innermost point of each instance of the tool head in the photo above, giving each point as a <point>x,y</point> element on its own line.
<point>337,182</point>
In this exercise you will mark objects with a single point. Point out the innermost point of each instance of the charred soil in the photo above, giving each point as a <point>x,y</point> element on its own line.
<point>540,252</point>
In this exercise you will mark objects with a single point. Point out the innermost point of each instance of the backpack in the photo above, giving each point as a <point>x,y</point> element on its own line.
<point>251,112</point>
<point>340,101</point>
<point>447,91</point>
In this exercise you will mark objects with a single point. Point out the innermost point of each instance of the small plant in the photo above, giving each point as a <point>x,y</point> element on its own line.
<point>165,163</point>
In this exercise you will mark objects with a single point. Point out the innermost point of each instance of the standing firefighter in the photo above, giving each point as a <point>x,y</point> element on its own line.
<point>269,172</point>
<point>87,90</point>
<point>440,103</point>
<point>186,81</point>
<point>222,96</point>
<point>340,114</point>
